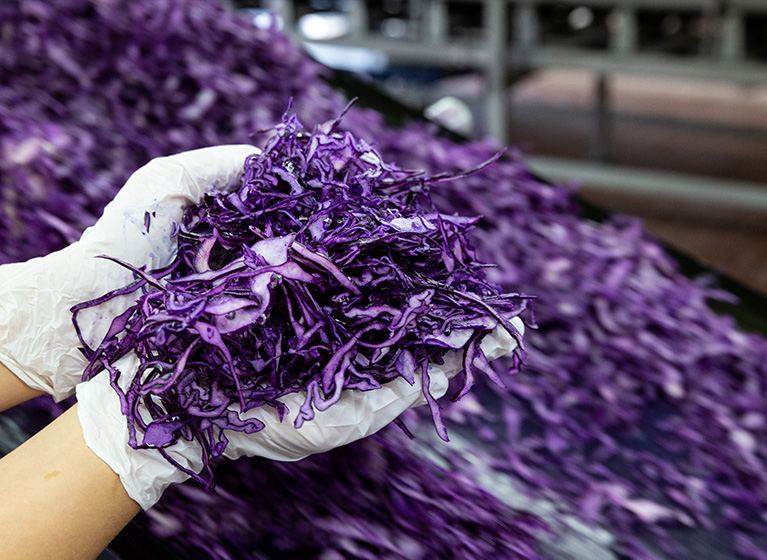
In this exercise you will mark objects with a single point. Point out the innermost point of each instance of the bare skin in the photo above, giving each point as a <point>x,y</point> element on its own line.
<point>13,391</point>
<point>59,500</point>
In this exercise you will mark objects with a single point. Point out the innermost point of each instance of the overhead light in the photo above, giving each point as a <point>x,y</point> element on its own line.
<point>324,26</point>
<point>265,19</point>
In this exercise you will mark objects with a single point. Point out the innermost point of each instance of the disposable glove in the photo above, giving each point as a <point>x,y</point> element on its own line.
<point>145,474</point>
<point>38,343</point>
<point>37,340</point>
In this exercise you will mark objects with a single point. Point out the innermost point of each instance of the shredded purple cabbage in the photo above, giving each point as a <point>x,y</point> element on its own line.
<point>326,270</point>
<point>640,409</point>
<point>91,91</point>
<point>372,499</point>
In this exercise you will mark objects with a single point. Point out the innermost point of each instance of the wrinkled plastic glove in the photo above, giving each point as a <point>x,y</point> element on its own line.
<point>145,474</point>
<point>37,340</point>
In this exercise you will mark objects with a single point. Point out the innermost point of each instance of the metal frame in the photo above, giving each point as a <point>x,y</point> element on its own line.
<point>511,42</point>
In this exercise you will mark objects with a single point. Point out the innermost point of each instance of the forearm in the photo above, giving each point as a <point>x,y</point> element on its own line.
<point>59,500</point>
<point>13,391</point>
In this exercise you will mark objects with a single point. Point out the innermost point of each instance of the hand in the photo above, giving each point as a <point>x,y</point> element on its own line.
<point>136,228</point>
<point>37,340</point>
<point>54,485</point>
<point>145,474</point>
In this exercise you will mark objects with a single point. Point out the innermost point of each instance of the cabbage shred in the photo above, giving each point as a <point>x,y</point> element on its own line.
<point>326,270</point>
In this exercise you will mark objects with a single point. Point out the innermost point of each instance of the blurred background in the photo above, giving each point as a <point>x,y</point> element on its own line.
<point>658,108</point>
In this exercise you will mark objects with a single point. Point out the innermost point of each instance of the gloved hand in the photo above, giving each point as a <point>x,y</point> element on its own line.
<point>37,340</point>
<point>38,295</point>
<point>145,474</point>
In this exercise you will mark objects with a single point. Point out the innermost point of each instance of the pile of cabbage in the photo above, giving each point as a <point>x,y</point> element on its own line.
<point>326,270</point>
<point>93,90</point>
<point>640,409</point>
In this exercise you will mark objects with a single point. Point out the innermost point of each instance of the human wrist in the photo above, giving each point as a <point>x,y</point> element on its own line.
<point>53,486</point>
<point>13,389</point>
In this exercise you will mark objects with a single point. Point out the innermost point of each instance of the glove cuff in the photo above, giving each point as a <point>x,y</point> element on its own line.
<point>144,473</point>
<point>31,380</point>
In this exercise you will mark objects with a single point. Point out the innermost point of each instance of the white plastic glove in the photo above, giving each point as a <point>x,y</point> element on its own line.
<point>37,340</point>
<point>145,474</point>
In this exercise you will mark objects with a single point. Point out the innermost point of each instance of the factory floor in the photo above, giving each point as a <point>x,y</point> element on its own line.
<point>702,128</point>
